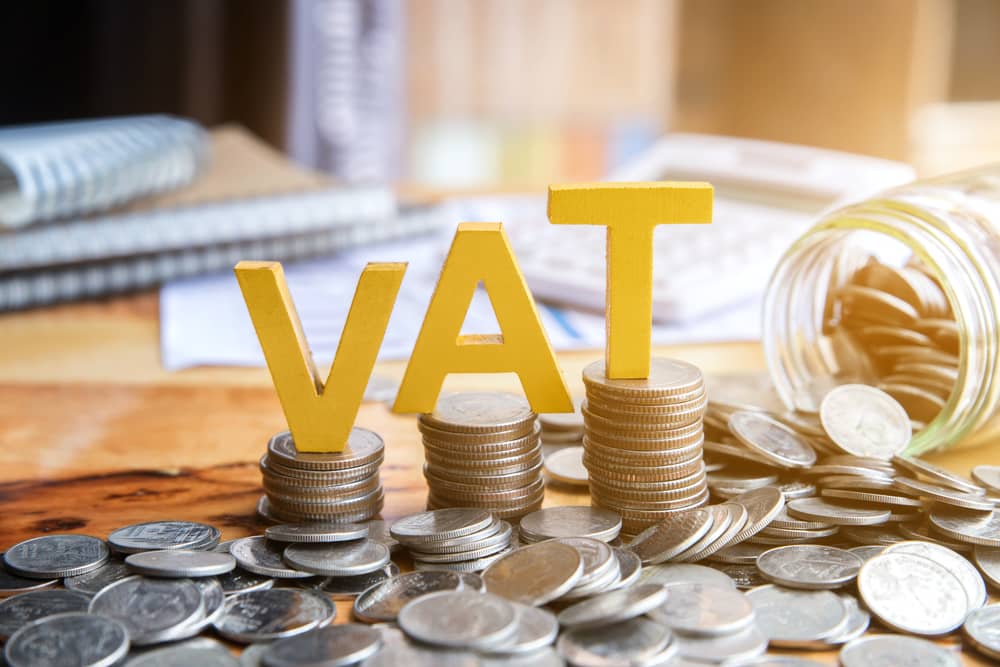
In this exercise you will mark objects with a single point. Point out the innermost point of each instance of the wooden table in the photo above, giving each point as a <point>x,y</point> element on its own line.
<point>97,435</point>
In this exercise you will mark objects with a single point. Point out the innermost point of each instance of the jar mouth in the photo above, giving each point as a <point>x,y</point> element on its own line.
<point>806,359</point>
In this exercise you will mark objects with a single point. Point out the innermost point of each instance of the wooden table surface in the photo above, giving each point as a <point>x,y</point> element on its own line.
<point>96,435</point>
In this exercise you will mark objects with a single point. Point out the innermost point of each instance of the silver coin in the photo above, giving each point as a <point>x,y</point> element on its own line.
<point>92,641</point>
<point>571,521</point>
<point>459,619</point>
<point>94,581</point>
<point>613,607</point>
<point>865,421</point>
<point>258,555</point>
<point>858,620</point>
<point>797,618</point>
<point>241,581</point>
<point>398,650</point>
<point>744,575</point>
<point>744,554</point>
<point>669,574</point>
<point>478,551</point>
<point>937,475</point>
<point>151,609</point>
<point>762,505</point>
<point>156,535</point>
<point>714,541</point>
<point>19,610</point>
<point>867,552</point>
<point>777,661</point>
<point>817,509</point>
<point>341,559</point>
<point>598,558</point>
<point>546,657</point>
<point>332,646</point>
<point>988,476</point>
<point>348,588</point>
<point>378,530</point>
<point>316,532</point>
<point>982,629</point>
<point>536,629</point>
<point>969,527</point>
<point>465,566</point>
<point>274,614</point>
<point>674,535</point>
<point>731,648</point>
<point>253,655</point>
<point>383,602</point>
<point>439,525</point>
<point>11,584</point>
<point>629,568</point>
<point>180,563</point>
<point>895,650</point>
<point>988,561</point>
<point>497,535</point>
<point>945,495</point>
<point>56,556</point>
<point>201,652</point>
<point>213,603</point>
<point>957,564</point>
<point>627,643</point>
<point>771,439</point>
<point>704,610</point>
<point>809,566</point>
<point>913,594</point>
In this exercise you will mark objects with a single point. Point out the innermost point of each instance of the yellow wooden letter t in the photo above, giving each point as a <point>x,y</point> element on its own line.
<point>630,211</point>
<point>320,416</point>
<point>481,252</point>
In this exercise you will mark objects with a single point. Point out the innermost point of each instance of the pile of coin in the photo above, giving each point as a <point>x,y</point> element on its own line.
<point>643,442</point>
<point>893,327</point>
<point>339,486</point>
<point>482,450</point>
<point>459,539</point>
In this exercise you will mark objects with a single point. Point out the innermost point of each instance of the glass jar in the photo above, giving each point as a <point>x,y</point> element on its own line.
<point>900,291</point>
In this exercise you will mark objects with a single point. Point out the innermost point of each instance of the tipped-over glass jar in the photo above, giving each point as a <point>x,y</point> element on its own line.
<point>901,291</point>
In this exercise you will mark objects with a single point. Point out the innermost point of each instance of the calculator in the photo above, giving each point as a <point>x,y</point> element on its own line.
<point>766,195</point>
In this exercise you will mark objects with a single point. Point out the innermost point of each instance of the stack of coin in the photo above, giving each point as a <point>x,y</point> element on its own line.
<point>457,538</point>
<point>643,442</point>
<point>482,450</point>
<point>338,487</point>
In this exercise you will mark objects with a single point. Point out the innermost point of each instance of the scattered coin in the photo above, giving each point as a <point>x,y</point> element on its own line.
<point>672,536</point>
<point>945,495</point>
<point>858,620</point>
<point>982,629</point>
<point>771,439</point>
<point>264,557</point>
<point>316,532</point>
<point>242,581</point>
<point>912,594</point>
<point>342,559</point>
<point>817,509</point>
<point>348,588</point>
<point>91,583</point>
<point>94,641</point>
<point>969,527</point>
<point>762,506</point>
<point>152,610</point>
<point>158,535</point>
<point>632,642</point>
<point>331,646</point>
<point>201,652</point>
<point>536,630</point>
<point>988,561</point>
<point>459,619</point>
<point>11,584</point>
<point>867,552</point>
<point>19,610</point>
<point>56,556</point>
<point>865,421</point>
<point>668,574</point>
<point>382,602</point>
<point>794,618</point>
<point>809,566</point>
<point>613,607</point>
<point>440,525</point>
<point>570,521</point>
<point>397,650</point>
<point>988,476</point>
<point>893,650</point>
<point>958,565</point>
<point>704,610</point>
<point>555,569</point>
<point>274,614</point>
<point>936,474</point>
<point>732,648</point>
<point>180,563</point>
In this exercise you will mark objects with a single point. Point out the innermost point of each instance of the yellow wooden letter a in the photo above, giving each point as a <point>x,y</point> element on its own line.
<point>481,252</point>
<point>630,211</point>
<point>320,416</point>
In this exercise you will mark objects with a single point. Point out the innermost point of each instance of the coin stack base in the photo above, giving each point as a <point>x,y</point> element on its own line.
<point>339,487</point>
<point>643,442</point>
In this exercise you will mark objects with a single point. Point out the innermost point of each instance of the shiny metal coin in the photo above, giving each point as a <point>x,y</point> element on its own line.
<point>794,618</point>
<point>11,584</point>
<point>342,559</point>
<point>398,651</point>
<point>332,646</point>
<point>241,581</point>
<point>253,655</point>
<point>213,602</point>
<point>936,474</point>
<point>598,559</point>
<point>201,652</point>
<point>913,594</point>
<point>732,648</point>
<point>858,620</point>
<point>274,614</point>
<point>969,527</point>
<point>479,412</point>
<point>945,495</point>
<point>556,569</point>
<point>704,610</point>
<point>536,629</point>
<point>92,641</point>
<point>498,533</point>
<point>348,588</point>
<point>672,536</point>
<point>817,509</point>
<point>865,421</point>
<point>613,607</point>
<point>957,564</point>
<point>744,553</point>
<point>867,552</point>
<point>180,563</point>
<point>631,642</point>
<point>982,629</point>
<point>459,619</point>
<point>56,556</point>
<point>743,575</point>
<point>566,466</point>
<point>894,650</point>
<point>439,524</point>
<point>465,566</point>
<point>669,574</point>
<point>988,476</point>
<point>667,378</point>
<point>153,610</point>
<point>363,447</point>
<point>378,531</point>
<point>809,566</point>
<point>987,559</point>
<point>260,556</point>
<point>459,556</point>
<point>94,581</point>
<point>157,535</point>
<point>629,568</point>
<point>880,499</point>
<point>382,602</point>
<point>771,440</point>
<point>316,532</point>
<point>762,506</point>
<point>570,521</point>
<point>19,610</point>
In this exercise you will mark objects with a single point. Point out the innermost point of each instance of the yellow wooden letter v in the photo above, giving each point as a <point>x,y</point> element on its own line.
<point>320,416</point>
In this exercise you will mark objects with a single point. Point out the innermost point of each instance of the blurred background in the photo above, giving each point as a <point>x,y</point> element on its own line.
<point>515,93</point>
